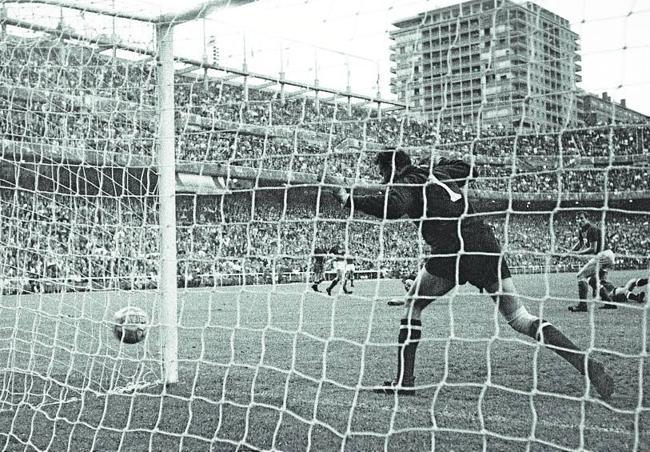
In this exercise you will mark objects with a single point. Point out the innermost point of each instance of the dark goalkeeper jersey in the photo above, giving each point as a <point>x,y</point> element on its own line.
<point>434,200</point>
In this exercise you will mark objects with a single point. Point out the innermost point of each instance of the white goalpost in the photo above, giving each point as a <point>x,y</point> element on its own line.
<point>171,242</point>
<point>165,160</point>
<point>167,193</point>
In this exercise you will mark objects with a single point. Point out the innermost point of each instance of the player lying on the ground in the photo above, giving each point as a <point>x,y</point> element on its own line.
<point>590,242</point>
<point>434,198</point>
<point>611,294</point>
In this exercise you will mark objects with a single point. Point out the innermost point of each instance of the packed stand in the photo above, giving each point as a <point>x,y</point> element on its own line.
<point>75,80</point>
<point>85,100</point>
<point>88,242</point>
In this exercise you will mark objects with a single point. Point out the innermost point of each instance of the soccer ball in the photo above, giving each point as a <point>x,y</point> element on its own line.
<point>130,325</point>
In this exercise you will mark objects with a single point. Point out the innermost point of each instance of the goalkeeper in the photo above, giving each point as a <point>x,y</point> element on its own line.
<point>434,198</point>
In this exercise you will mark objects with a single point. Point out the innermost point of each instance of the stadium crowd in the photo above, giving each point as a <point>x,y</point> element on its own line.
<point>267,235</point>
<point>75,79</point>
<point>75,97</point>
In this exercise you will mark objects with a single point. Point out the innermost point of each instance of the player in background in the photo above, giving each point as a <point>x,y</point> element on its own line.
<point>590,242</point>
<point>350,268</point>
<point>611,294</point>
<point>434,199</point>
<point>318,267</point>
<point>339,268</point>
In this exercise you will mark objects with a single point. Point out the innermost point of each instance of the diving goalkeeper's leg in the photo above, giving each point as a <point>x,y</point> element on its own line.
<point>541,330</point>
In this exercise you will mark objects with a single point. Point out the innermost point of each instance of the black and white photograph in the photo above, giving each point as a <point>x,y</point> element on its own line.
<point>324,225</point>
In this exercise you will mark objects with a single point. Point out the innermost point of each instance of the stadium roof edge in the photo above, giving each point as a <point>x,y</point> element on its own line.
<point>196,12</point>
<point>235,73</point>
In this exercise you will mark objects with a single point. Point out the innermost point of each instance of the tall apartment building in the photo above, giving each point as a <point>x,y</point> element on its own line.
<point>503,62</point>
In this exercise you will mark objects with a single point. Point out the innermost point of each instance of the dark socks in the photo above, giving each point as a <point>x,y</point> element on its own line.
<point>635,297</point>
<point>553,338</point>
<point>558,342</point>
<point>583,289</point>
<point>409,338</point>
<point>583,292</point>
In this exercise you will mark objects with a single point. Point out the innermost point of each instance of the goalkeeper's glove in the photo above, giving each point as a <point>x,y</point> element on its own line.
<point>342,195</point>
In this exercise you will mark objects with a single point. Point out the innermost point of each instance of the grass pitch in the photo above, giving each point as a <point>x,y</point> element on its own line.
<point>283,368</point>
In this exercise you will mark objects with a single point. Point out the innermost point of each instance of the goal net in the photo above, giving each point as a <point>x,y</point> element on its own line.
<point>80,224</point>
<point>183,163</point>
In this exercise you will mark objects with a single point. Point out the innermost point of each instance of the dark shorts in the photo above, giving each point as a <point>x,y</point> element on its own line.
<point>481,264</point>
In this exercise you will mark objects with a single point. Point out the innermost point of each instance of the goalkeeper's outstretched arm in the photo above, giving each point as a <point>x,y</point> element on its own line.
<point>391,205</point>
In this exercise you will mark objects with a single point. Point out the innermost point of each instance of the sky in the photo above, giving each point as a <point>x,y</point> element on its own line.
<point>345,42</point>
<point>614,38</point>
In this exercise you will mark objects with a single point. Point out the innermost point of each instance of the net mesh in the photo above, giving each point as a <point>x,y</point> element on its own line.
<point>264,362</point>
